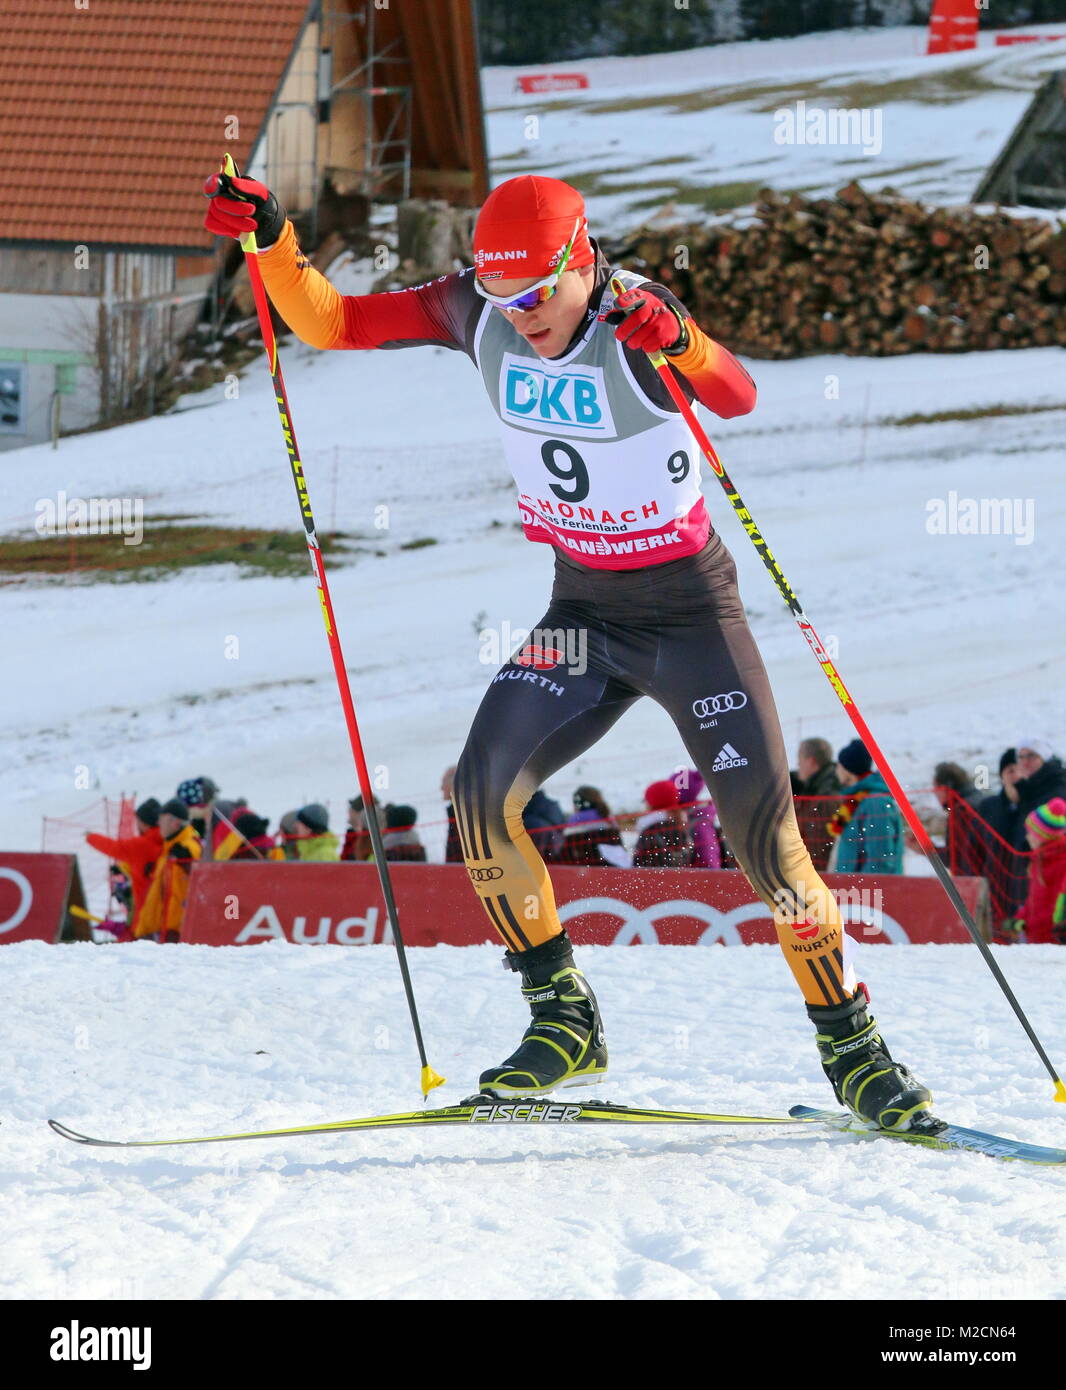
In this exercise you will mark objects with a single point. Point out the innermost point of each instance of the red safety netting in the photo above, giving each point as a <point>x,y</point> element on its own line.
<point>973,847</point>
<point>66,835</point>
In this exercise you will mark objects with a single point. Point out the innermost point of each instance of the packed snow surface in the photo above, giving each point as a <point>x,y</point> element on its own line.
<point>141,1042</point>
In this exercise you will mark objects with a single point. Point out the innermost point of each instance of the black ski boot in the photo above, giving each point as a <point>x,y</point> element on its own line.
<point>564,1044</point>
<point>862,1072</point>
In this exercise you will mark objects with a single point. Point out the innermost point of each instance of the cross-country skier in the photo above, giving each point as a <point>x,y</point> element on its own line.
<point>645,593</point>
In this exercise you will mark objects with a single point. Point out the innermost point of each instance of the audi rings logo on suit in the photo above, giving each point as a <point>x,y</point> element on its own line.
<point>718,704</point>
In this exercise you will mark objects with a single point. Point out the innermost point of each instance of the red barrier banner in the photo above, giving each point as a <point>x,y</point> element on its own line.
<point>240,904</point>
<point>35,892</point>
<point>1005,40</point>
<point>552,82</point>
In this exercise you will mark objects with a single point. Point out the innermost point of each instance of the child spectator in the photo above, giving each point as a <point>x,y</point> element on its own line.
<point>136,854</point>
<point>401,837</point>
<point>1043,917</point>
<point>590,836</point>
<point>164,906</point>
<point>315,842</point>
<point>663,841</point>
<point>867,826</point>
<point>702,820</point>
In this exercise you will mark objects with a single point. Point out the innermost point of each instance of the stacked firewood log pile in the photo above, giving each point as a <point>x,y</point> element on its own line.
<point>863,273</point>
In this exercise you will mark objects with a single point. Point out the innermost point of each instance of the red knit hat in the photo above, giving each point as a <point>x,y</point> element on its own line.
<point>524,226</point>
<point>660,796</point>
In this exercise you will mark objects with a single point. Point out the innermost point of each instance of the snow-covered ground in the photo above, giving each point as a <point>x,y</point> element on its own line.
<point>130,1042</point>
<point>696,130</point>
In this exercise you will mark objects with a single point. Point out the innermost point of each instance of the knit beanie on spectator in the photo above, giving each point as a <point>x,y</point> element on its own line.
<point>854,758</point>
<point>1047,822</point>
<point>287,824</point>
<point>1006,758</point>
<point>175,807</point>
<point>400,817</point>
<point>197,791</point>
<point>315,817</point>
<point>250,825</point>
<point>689,784</point>
<point>148,812</point>
<point>1039,746</point>
<point>356,803</point>
<point>661,796</point>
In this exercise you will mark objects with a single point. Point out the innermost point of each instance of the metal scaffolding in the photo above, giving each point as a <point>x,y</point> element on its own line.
<point>387,114</point>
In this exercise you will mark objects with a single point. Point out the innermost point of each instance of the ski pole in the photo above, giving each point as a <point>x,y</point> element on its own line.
<point>430,1078</point>
<point>784,588</point>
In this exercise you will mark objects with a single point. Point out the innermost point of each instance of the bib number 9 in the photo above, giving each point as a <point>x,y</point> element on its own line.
<point>677,465</point>
<point>570,467</point>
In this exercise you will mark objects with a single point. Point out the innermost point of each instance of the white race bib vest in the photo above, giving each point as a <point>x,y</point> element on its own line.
<point>602,472</point>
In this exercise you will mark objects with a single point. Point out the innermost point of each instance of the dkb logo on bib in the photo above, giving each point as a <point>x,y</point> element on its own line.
<point>567,400</point>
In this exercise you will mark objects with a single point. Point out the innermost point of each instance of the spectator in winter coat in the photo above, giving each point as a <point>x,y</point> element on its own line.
<point>199,794</point>
<point>254,842</point>
<point>164,906</point>
<point>816,789</point>
<point>544,818</point>
<point>401,837</point>
<point>315,842</point>
<point>817,769</point>
<point>358,847</point>
<point>590,836</point>
<point>288,835</point>
<point>956,794</point>
<point>702,821</point>
<point>663,841</point>
<point>1004,866</point>
<point>867,826</point>
<point>453,849</point>
<point>136,854</point>
<point>1043,917</point>
<point>1043,778</point>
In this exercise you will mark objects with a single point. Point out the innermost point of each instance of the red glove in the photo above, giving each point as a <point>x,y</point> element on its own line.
<point>646,323</point>
<point>239,206</point>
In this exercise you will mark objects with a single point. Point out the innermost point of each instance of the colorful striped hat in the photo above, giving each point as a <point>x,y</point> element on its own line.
<point>1047,821</point>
